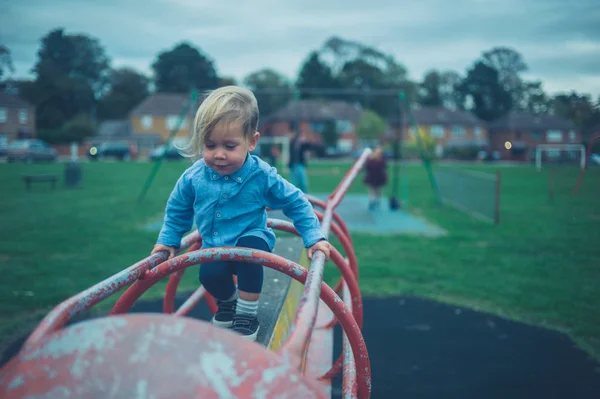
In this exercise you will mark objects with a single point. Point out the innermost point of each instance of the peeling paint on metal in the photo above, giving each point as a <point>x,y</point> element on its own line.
<point>79,338</point>
<point>16,382</point>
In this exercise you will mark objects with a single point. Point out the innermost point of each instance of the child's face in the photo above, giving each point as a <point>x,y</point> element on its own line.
<point>226,147</point>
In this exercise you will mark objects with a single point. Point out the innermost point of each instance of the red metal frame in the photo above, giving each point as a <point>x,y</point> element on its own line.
<point>294,351</point>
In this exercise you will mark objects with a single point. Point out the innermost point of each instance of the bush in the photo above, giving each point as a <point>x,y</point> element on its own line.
<point>77,129</point>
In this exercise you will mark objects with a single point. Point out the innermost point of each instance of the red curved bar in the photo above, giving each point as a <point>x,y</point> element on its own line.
<point>336,217</point>
<point>81,302</point>
<point>295,271</point>
<point>171,290</point>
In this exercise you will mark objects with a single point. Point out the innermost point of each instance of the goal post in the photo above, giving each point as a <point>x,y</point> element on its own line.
<point>558,147</point>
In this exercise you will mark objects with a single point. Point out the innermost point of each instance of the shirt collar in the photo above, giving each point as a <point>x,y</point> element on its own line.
<point>238,176</point>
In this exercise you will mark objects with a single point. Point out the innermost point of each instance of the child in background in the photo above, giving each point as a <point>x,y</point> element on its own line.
<point>226,192</point>
<point>375,177</point>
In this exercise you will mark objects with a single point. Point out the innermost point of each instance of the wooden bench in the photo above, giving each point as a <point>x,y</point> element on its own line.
<point>40,178</point>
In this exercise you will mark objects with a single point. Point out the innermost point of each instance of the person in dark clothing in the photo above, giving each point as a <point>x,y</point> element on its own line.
<point>375,177</point>
<point>297,162</point>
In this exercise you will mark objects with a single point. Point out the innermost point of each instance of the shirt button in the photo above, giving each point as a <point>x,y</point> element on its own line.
<point>226,177</point>
<point>224,195</point>
<point>215,233</point>
<point>239,179</point>
<point>214,176</point>
<point>218,215</point>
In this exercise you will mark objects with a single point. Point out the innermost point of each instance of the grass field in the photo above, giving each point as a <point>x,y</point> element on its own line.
<point>541,265</point>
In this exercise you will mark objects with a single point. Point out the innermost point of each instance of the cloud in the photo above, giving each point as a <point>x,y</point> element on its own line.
<point>559,40</point>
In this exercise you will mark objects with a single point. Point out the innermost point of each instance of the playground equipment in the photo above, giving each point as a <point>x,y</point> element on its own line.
<point>171,356</point>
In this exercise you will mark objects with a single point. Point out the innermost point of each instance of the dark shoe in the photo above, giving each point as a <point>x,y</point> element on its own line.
<point>224,316</point>
<point>246,325</point>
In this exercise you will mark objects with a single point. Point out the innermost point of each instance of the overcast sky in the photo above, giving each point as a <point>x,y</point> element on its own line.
<point>560,40</point>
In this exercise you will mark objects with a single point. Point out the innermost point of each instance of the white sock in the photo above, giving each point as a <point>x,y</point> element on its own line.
<point>246,307</point>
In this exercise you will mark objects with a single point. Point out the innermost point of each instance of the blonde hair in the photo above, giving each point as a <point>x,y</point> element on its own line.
<point>228,104</point>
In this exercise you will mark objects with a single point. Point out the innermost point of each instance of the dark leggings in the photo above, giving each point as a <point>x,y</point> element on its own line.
<point>216,277</point>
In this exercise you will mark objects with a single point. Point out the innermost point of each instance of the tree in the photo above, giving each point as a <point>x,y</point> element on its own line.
<point>482,85</point>
<point>510,64</point>
<point>269,79</point>
<point>429,90</point>
<point>370,126</point>
<point>6,64</point>
<point>71,73</point>
<point>578,108</point>
<point>182,69</point>
<point>127,89</point>
<point>358,66</point>
<point>315,74</point>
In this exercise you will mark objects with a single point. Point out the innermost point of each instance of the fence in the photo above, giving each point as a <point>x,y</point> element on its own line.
<point>171,356</point>
<point>475,193</point>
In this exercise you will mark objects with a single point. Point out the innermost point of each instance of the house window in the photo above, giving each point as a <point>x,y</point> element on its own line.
<point>572,136</point>
<point>554,136</point>
<point>343,126</point>
<point>3,115</point>
<point>437,131</point>
<point>22,116</point>
<point>172,121</point>
<point>458,131</point>
<point>146,121</point>
<point>478,132</point>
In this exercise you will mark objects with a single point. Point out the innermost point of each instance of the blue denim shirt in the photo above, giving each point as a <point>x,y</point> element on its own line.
<point>226,208</point>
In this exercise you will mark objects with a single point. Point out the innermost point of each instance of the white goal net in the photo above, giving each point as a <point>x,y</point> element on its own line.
<point>559,153</point>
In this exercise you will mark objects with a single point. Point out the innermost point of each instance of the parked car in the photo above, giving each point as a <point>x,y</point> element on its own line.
<point>120,151</point>
<point>30,150</point>
<point>171,153</point>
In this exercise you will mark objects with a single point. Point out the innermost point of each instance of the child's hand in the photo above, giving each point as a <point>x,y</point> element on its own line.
<point>321,246</point>
<point>160,248</point>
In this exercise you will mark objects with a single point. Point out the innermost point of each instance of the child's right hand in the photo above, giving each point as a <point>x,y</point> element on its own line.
<point>163,248</point>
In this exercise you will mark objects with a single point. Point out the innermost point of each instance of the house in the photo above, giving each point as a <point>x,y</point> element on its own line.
<point>17,118</point>
<point>517,134</point>
<point>152,121</point>
<point>312,116</point>
<point>448,128</point>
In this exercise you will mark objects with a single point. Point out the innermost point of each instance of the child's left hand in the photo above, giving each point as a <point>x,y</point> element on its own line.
<point>320,246</point>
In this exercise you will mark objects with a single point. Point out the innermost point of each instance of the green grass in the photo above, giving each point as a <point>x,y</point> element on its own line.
<point>541,265</point>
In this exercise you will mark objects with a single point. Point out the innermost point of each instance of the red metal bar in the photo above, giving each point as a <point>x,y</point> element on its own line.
<point>151,356</point>
<point>498,191</point>
<point>83,301</point>
<point>295,271</point>
<point>171,290</point>
<point>298,341</point>
<point>336,217</point>
<point>339,261</point>
<point>349,382</point>
<point>191,302</point>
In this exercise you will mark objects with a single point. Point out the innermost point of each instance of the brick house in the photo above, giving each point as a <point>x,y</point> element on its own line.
<point>449,128</point>
<point>517,134</point>
<point>17,119</point>
<point>152,121</point>
<point>311,116</point>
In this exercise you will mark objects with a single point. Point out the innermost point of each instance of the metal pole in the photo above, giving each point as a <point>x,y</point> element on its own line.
<point>394,203</point>
<point>182,116</point>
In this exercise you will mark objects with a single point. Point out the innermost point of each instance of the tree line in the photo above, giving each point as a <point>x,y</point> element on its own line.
<point>75,87</point>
